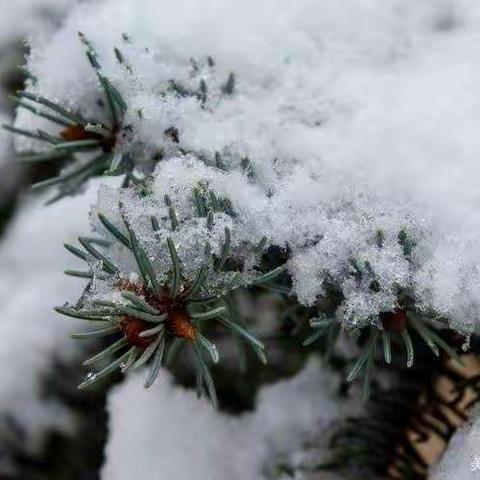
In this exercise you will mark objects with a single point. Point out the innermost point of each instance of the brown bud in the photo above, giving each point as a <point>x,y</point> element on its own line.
<point>76,132</point>
<point>132,328</point>
<point>394,321</point>
<point>179,325</point>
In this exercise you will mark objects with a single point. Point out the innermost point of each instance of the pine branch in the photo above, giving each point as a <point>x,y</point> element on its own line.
<point>153,315</point>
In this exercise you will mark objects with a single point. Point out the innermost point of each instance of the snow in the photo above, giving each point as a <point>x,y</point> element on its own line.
<point>167,433</point>
<point>178,179</point>
<point>26,17</point>
<point>353,124</point>
<point>461,461</point>
<point>32,259</point>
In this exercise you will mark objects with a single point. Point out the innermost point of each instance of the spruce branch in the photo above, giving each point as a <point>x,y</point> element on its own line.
<point>78,134</point>
<point>157,314</point>
<point>398,325</point>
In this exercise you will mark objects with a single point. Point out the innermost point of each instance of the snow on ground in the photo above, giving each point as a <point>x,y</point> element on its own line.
<point>32,259</point>
<point>167,433</point>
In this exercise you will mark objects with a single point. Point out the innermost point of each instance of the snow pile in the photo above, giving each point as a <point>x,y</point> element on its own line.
<point>462,459</point>
<point>31,282</point>
<point>358,129</point>
<point>179,180</point>
<point>189,437</point>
